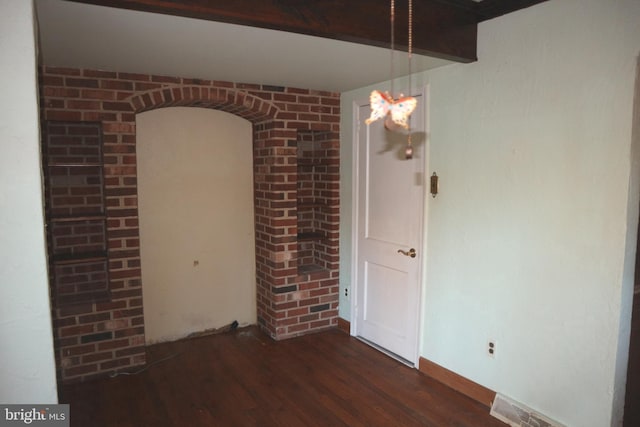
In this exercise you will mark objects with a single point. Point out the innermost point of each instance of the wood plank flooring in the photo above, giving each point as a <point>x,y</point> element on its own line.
<point>243,378</point>
<point>632,398</point>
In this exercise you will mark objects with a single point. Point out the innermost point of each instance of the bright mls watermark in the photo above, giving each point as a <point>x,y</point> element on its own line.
<point>36,415</point>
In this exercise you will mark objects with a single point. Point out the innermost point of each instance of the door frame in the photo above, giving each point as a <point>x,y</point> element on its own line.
<point>355,191</point>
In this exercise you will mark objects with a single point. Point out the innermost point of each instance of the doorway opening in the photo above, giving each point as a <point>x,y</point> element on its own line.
<point>388,235</point>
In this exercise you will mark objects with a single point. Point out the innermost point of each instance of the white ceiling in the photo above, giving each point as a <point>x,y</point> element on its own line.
<point>87,36</point>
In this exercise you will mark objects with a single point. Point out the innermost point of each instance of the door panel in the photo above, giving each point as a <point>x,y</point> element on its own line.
<point>389,203</point>
<point>383,294</point>
<point>386,193</point>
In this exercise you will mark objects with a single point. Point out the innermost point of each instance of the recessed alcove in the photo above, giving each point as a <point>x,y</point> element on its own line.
<point>317,200</point>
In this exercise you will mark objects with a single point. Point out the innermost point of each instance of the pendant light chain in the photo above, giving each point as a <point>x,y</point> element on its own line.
<point>384,105</point>
<point>410,50</point>
<point>392,18</point>
<point>408,151</point>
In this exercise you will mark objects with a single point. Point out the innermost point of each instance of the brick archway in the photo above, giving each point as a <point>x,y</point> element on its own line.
<point>270,139</point>
<point>99,337</point>
<point>240,103</point>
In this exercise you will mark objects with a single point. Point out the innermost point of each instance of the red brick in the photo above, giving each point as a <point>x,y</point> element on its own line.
<point>297,90</point>
<point>321,323</point>
<point>99,73</point>
<point>78,350</point>
<point>116,85</point>
<point>139,87</point>
<point>117,363</point>
<point>74,310</point>
<point>76,330</point>
<point>131,351</point>
<point>119,127</point>
<point>165,79</point>
<point>96,357</point>
<point>74,104</point>
<point>287,322</point>
<point>63,71</point>
<point>52,81</point>
<point>71,116</point>
<point>129,332</point>
<point>98,94</point>
<point>94,116</point>
<point>133,76</point>
<point>116,106</point>
<point>298,327</point>
<point>79,370</point>
<point>309,317</point>
<point>109,306</point>
<point>95,317</point>
<point>108,345</point>
<point>76,82</point>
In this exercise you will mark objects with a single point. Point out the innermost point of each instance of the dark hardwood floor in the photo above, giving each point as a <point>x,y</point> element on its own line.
<point>243,378</point>
<point>632,398</point>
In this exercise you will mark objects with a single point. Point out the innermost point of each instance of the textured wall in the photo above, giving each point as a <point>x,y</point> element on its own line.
<point>27,373</point>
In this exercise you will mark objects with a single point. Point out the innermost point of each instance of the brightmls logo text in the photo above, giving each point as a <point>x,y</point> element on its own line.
<point>37,415</point>
<point>26,416</point>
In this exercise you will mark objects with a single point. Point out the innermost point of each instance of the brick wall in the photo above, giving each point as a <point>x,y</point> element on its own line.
<point>295,294</point>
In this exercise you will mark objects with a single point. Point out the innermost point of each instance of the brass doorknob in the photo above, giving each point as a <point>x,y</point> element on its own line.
<point>411,252</point>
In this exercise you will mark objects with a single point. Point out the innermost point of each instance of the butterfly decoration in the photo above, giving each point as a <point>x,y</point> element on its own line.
<point>383,104</point>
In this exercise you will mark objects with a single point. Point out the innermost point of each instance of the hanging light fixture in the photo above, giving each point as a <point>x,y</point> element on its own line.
<point>396,112</point>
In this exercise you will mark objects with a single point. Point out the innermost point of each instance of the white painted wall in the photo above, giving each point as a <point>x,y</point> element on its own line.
<point>195,184</point>
<point>528,238</point>
<point>629,274</point>
<point>27,371</point>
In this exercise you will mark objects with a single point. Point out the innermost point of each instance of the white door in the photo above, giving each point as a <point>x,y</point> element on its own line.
<point>389,194</point>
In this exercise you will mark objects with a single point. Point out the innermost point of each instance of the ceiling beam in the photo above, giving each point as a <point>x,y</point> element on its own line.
<point>441,28</point>
<point>489,9</point>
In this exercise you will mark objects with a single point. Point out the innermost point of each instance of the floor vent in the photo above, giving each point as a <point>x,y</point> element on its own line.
<point>518,415</point>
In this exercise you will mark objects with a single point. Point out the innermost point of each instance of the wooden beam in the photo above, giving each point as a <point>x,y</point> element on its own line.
<point>489,9</point>
<point>441,29</point>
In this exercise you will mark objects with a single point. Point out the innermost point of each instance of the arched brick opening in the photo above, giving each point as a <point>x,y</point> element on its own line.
<point>242,104</point>
<point>97,337</point>
<point>274,240</point>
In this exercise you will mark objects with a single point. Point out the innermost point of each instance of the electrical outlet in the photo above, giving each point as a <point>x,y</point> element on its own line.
<point>491,348</point>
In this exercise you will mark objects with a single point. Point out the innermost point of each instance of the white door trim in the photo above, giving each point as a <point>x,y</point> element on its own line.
<point>355,187</point>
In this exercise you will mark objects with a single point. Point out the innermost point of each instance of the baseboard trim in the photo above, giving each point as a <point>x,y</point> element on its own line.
<point>344,325</point>
<point>449,378</point>
<point>457,382</point>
